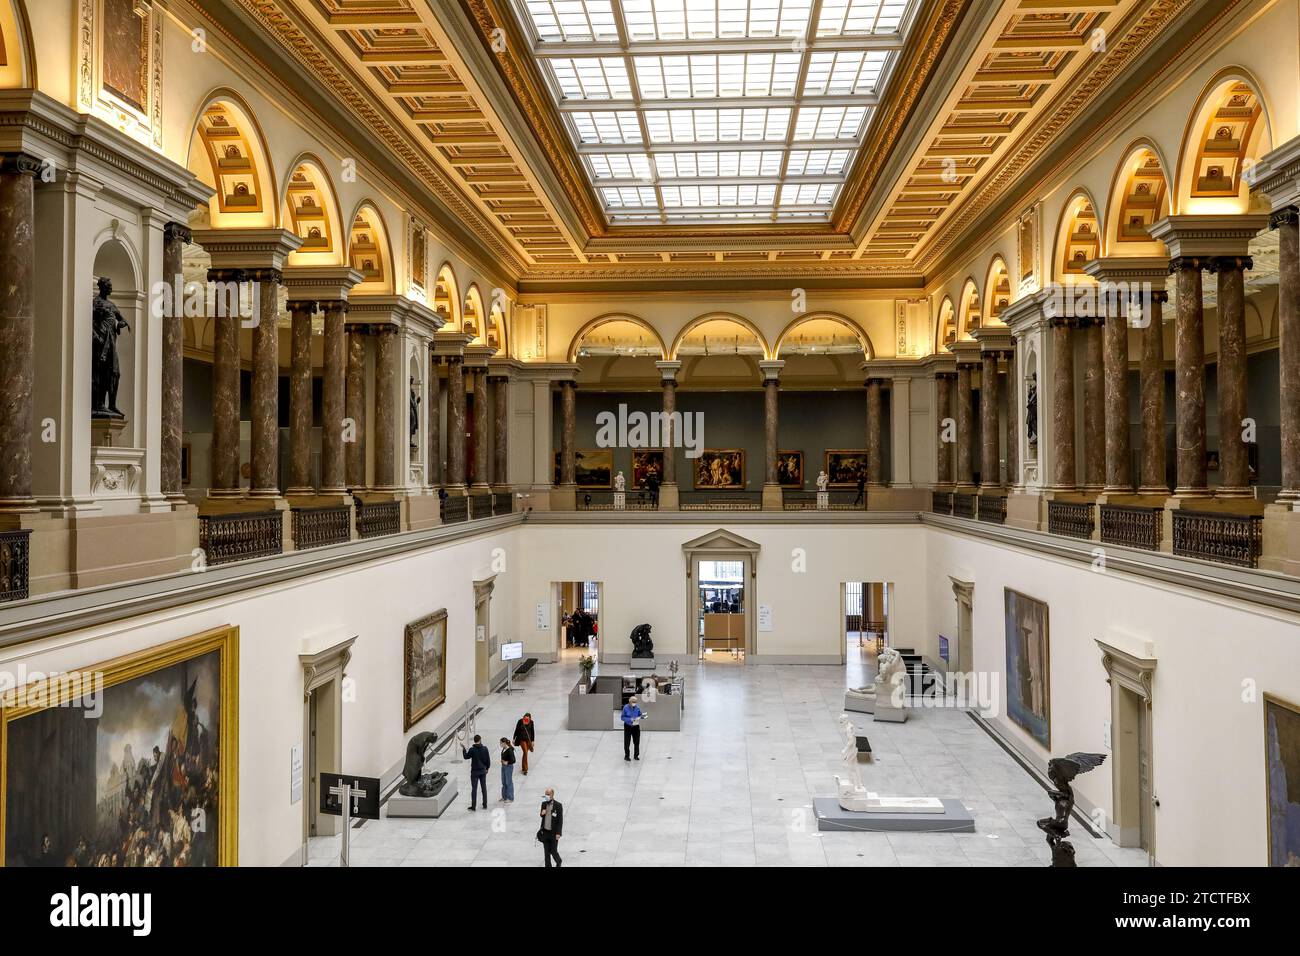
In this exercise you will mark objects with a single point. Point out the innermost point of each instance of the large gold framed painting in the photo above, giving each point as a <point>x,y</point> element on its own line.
<point>133,762</point>
<point>1029,687</point>
<point>720,468</point>
<point>424,669</point>
<point>1282,784</point>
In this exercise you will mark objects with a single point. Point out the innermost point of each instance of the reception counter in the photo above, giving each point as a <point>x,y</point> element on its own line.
<point>598,706</point>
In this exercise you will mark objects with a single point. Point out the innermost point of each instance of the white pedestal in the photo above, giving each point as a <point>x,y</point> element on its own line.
<point>620,500</point>
<point>642,663</point>
<point>400,806</point>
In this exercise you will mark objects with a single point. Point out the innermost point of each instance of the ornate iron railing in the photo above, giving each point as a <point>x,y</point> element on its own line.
<point>239,537</point>
<point>503,502</point>
<point>1132,526</point>
<point>993,509</point>
<point>378,518</point>
<point>941,502</point>
<point>317,527</point>
<point>1070,518</point>
<point>838,499</point>
<point>640,500</point>
<point>454,508</point>
<point>1225,538</point>
<point>963,505</point>
<point>720,501</point>
<point>15,564</point>
<point>480,505</point>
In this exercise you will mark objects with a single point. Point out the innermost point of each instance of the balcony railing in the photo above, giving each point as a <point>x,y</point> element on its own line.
<point>454,508</point>
<point>317,527</point>
<point>640,500</point>
<point>1070,518</point>
<point>239,537</point>
<point>1225,538</point>
<point>941,502</point>
<point>503,502</point>
<point>720,501</point>
<point>993,509</point>
<point>1132,526</point>
<point>15,561</point>
<point>963,505</point>
<point>378,518</point>
<point>837,499</point>
<point>480,505</point>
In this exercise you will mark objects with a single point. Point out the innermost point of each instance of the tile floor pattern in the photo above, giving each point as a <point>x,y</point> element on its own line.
<point>733,788</point>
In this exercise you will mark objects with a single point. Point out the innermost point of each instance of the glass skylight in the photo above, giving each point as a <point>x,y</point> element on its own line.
<point>718,111</point>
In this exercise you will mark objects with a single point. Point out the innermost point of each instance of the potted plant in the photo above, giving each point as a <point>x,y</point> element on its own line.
<point>586,665</point>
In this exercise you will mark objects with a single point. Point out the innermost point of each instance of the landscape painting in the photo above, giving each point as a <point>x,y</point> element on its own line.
<point>720,468</point>
<point>789,469</point>
<point>844,465</point>
<point>646,464</point>
<point>593,467</point>
<point>1282,764</point>
<point>1029,697</point>
<point>424,666</point>
<point>128,763</point>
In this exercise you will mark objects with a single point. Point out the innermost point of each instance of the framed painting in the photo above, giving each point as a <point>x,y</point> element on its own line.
<point>1029,690</point>
<point>720,468</point>
<point>646,464</point>
<point>133,762</point>
<point>424,667</point>
<point>789,469</point>
<point>843,465</point>
<point>1282,780</point>
<point>593,467</point>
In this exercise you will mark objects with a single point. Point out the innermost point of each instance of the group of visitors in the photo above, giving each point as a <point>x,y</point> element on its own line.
<point>580,628</point>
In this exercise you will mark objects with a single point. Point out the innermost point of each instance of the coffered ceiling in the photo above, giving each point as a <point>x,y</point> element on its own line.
<point>616,141</point>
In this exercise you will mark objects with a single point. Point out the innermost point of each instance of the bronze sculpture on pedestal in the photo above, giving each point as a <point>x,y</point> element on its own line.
<point>1061,771</point>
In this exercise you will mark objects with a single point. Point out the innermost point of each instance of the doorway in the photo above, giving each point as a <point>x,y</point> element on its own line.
<point>1132,778</point>
<point>577,616</point>
<point>485,642</point>
<point>721,610</point>
<point>865,621</point>
<point>322,729</point>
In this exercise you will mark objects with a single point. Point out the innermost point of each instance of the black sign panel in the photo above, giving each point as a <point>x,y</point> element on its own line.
<point>365,795</point>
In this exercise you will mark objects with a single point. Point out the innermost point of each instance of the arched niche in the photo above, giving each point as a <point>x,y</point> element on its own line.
<point>720,346</point>
<point>997,290</point>
<point>497,323</point>
<point>228,153</point>
<point>946,326</point>
<point>1078,237</point>
<point>17,58</point>
<point>369,251</point>
<point>1139,197</point>
<point>617,347</point>
<point>1227,131</point>
<point>473,320</point>
<point>309,208</point>
<point>118,262</point>
<point>446,298</point>
<point>969,317</point>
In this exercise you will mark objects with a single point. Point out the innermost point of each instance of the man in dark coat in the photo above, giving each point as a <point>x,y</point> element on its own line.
<point>552,827</point>
<point>479,763</point>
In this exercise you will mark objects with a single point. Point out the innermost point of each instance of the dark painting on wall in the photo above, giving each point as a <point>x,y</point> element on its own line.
<point>129,763</point>
<point>719,468</point>
<point>646,464</point>
<point>592,467</point>
<point>844,465</point>
<point>1029,692</point>
<point>789,469</point>
<point>424,666</point>
<point>1282,765</point>
<point>126,53</point>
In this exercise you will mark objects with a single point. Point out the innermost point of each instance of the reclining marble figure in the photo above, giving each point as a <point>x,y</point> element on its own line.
<point>884,697</point>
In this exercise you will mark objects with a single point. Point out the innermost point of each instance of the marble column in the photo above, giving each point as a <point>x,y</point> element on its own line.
<point>1062,345</point>
<point>356,407</point>
<point>333,471</point>
<point>434,417</point>
<point>1234,462</point>
<point>771,412</point>
<point>1189,377</point>
<point>1094,405</point>
<point>1287,223</point>
<point>300,402</point>
<point>1154,478</point>
<point>965,428</point>
<point>668,437</point>
<point>387,371</point>
<point>875,433</point>
<point>481,430</point>
<point>175,236</point>
<point>265,417</point>
<point>456,423</point>
<point>500,430</point>
<point>990,476</point>
<point>1013,421</point>
<point>1119,461</point>
<point>225,395</point>
<point>17,326</point>
<point>943,387</point>
<point>568,429</point>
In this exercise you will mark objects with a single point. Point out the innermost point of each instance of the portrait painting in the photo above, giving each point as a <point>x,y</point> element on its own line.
<point>133,762</point>
<point>1282,766</point>
<point>592,467</point>
<point>646,464</point>
<point>844,465</point>
<point>1029,692</point>
<point>789,469</point>
<point>126,53</point>
<point>719,468</point>
<point>424,666</point>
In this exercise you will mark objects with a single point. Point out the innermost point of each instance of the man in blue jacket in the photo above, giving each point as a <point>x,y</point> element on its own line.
<point>479,762</point>
<point>632,727</point>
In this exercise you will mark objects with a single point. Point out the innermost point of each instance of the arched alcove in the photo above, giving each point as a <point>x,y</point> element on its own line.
<point>228,153</point>
<point>1227,131</point>
<point>369,251</point>
<point>310,209</point>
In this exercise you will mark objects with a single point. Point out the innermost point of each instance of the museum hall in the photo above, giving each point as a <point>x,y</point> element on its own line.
<point>650,433</point>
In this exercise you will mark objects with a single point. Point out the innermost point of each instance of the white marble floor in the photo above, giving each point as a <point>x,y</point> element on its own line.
<point>733,788</point>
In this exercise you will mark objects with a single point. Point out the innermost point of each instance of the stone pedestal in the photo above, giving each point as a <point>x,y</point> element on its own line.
<point>823,500</point>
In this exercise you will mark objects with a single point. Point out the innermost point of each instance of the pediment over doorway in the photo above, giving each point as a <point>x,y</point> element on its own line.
<point>721,540</point>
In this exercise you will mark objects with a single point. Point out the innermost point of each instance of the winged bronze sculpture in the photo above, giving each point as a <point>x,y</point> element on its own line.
<point>1062,771</point>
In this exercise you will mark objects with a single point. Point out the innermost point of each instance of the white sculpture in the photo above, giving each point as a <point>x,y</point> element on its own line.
<point>853,795</point>
<point>886,697</point>
<point>620,483</point>
<point>823,481</point>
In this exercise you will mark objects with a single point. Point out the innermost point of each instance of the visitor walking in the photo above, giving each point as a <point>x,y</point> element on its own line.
<point>632,727</point>
<point>479,763</point>
<point>525,738</point>
<point>548,834</point>
<point>507,771</point>
<point>862,488</point>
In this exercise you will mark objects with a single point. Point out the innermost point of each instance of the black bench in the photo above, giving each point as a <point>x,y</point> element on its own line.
<point>523,669</point>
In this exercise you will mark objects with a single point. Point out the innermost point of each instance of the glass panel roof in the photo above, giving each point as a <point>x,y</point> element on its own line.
<point>716,110</point>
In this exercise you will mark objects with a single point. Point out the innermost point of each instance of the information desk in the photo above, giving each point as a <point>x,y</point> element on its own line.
<point>598,706</point>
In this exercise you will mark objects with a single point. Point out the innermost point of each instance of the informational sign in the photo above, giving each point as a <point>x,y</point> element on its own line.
<point>513,651</point>
<point>765,617</point>
<point>543,616</point>
<point>295,773</point>
<point>364,793</point>
<point>480,633</point>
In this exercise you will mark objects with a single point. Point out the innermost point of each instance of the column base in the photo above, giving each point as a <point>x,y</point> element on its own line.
<point>669,500</point>
<point>455,491</point>
<point>1154,490</point>
<point>423,512</point>
<point>773,500</point>
<point>564,498</point>
<point>1234,492</point>
<point>1023,509</point>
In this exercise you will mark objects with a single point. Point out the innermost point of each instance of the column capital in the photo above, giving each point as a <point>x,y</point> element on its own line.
<point>248,248</point>
<point>296,305</point>
<point>1205,236</point>
<point>1231,263</point>
<point>1129,270</point>
<point>176,231</point>
<point>478,355</point>
<point>322,283</point>
<point>25,164</point>
<point>771,369</point>
<point>1188,264</point>
<point>450,344</point>
<point>668,370</point>
<point>966,352</point>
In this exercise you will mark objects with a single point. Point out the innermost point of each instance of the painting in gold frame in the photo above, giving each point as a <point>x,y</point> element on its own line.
<point>720,468</point>
<point>424,667</point>
<point>789,469</point>
<point>843,465</point>
<point>646,463</point>
<point>592,467</point>
<point>75,792</point>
